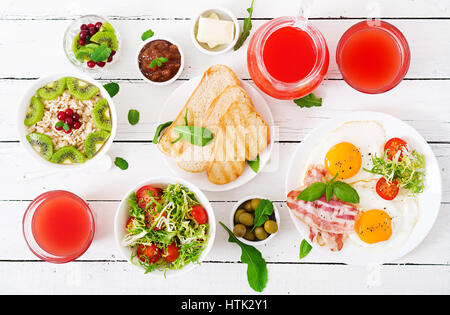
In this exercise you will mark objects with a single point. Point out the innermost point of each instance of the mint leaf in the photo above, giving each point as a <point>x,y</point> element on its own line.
<point>133,117</point>
<point>112,88</point>
<point>66,127</point>
<point>254,164</point>
<point>121,163</point>
<point>309,101</point>
<point>305,248</point>
<point>147,34</point>
<point>60,123</point>
<point>101,53</point>
<point>158,62</point>
<point>313,192</point>
<point>256,265</point>
<point>159,129</point>
<point>245,29</point>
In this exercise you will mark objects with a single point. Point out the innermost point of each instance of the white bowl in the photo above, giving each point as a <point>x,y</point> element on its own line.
<point>176,76</point>
<point>254,243</point>
<point>122,216</point>
<point>223,14</point>
<point>23,107</point>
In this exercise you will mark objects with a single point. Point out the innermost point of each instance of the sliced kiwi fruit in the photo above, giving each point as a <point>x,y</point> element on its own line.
<point>68,155</point>
<point>81,89</point>
<point>42,144</point>
<point>106,38</point>
<point>102,115</point>
<point>94,142</point>
<point>107,27</point>
<point>35,112</point>
<point>52,90</point>
<point>75,45</point>
<point>84,52</point>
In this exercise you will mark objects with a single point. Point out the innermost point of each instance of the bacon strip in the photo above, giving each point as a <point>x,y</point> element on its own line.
<point>328,221</point>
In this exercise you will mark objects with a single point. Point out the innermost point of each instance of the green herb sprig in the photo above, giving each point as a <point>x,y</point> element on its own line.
<point>112,88</point>
<point>264,209</point>
<point>254,164</point>
<point>305,248</point>
<point>147,34</point>
<point>159,129</point>
<point>245,29</point>
<point>158,61</point>
<point>121,163</point>
<point>199,136</point>
<point>133,116</point>
<point>309,101</point>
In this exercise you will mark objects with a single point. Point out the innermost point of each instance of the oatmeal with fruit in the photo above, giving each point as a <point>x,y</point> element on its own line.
<point>68,121</point>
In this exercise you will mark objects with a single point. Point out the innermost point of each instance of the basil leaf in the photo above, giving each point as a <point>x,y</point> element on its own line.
<point>112,88</point>
<point>254,165</point>
<point>245,29</point>
<point>329,191</point>
<point>264,208</point>
<point>345,192</point>
<point>147,34</point>
<point>256,265</point>
<point>305,248</point>
<point>121,163</point>
<point>133,116</point>
<point>313,192</point>
<point>160,128</point>
<point>101,53</point>
<point>309,101</point>
<point>195,135</point>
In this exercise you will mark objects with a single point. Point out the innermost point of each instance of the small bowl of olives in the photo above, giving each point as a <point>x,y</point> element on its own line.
<point>243,222</point>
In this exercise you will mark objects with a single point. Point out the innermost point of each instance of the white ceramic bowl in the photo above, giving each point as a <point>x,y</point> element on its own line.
<point>23,107</point>
<point>223,14</point>
<point>122,216</point>
<point>254,243</point>
<point>73,29</point>
<point>176,76</point>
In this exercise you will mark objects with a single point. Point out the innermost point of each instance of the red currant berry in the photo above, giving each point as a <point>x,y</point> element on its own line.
<point>110,58</point>
<point>83,34</point>
<point>61,115</point>
<point>113,52</point>
<point>81,42</point>
<point>98,25</point>
<point>83,27</point>
<point>101,64</point>
<point>69,121</point>
<point>90,25</point>
<point>58,127</point>
<point>76,125</point>
<point>68,130</point>
<point>92,30</point>
<point>69,112</point>
<point>75,116</point>
<point>91,64</point>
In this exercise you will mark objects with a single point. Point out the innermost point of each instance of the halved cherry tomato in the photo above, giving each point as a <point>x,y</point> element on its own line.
<point>144,194</point>
<point>148,253</point>
<point>199,214</point>
<point>171,253</point>
<point>129,223</point>
<point>393,146</point>
<point>150,217</point>
<point>385,190</point>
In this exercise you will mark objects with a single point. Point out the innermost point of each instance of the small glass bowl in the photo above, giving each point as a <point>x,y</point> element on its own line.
<point>27,226</point>
<point>73,29</point>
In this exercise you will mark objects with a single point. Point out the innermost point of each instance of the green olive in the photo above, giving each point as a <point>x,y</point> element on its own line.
<point>237,214</point>
<point>271,226</point>
<point>255,203</point>
<point>246,219</point>
<point>248,206</point>
<point>239,230</point>
<point>260,233</point>
<point>250,236</point>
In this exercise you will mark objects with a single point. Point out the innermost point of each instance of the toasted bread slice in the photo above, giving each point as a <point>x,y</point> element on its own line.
<point>243,136</point>
<point>194,158</point>
<point>216,79</point>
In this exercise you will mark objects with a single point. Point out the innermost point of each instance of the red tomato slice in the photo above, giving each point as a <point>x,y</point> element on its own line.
<point>385,190</point>
<point>171,253</point>
<point>393,146</point>
<point>200,215</point>
<point>151,216</point>
<point>144,194</point>
<point>148,253</point>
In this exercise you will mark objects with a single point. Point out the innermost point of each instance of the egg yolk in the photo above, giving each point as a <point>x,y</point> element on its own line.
<point>373,226</point>
<point>344,159</point>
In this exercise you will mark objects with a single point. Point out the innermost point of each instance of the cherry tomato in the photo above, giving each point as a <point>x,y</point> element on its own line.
<point>200,215</point>
<point>150,217</point>
<point>144,193</point>
<point>393,146</point>
<point>385,190</point>
<point>148,253</point>
<point>129,223</point>
<point>171,253</point>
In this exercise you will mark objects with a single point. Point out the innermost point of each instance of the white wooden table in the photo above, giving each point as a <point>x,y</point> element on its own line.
<point>31,46</point>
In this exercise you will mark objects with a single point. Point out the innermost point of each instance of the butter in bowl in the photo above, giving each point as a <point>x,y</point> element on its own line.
<point>215,31</point>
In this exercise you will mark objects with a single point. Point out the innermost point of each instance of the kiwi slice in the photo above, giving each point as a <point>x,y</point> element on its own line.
<point>106,38</point>
<point>42,144</point>
<point>107,27</point>
<point>75,45</point>
<point>68,155</point>
<point>81,89</point>
<point>102,115</point>
<point>35,112</point>
<point>52,90</point>
<point>94,142</point>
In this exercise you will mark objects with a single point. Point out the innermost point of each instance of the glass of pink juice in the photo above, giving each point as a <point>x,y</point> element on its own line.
<point>373,56</point>
<point>58,226</point>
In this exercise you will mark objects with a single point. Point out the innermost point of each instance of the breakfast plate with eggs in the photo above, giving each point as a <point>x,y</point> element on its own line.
<point>364,187</point>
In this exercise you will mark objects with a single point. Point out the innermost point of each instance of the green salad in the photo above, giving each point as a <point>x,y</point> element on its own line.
<point>167,229</point>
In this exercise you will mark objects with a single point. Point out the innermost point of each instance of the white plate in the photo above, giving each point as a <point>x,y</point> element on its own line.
<point>172,108</point>
<point>429,200</point>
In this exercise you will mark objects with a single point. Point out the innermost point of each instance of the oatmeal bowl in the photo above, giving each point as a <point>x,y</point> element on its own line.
<point>66,121</point>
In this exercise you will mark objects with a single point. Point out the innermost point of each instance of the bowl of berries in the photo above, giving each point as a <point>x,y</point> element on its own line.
<point>91,43</point>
